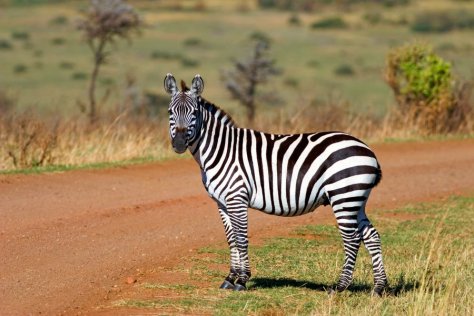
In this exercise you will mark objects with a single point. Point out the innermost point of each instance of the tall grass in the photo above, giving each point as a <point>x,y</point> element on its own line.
<point>29,140</point>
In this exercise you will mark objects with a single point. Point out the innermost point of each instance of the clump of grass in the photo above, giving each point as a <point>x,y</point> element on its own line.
<point>59,20</point>
<point>189,62</point>
<point>193,42</point>
<point>20,35</point>
<point>158,54</point>
<point>66,65</point>
<point>79,76</point>
<point>294,20</point>
<point>58,41</point>
<point>344,70</point>
<point>5,45</point>
<point>334,22</point>
<point>20,68</point>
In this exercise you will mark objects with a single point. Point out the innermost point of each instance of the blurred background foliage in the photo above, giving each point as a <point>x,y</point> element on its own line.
<point>340,66</point>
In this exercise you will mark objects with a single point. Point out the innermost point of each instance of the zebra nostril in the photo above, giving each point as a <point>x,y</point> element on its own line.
<point>181,130</point>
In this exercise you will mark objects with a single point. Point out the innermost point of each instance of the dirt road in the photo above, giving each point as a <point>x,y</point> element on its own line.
<point>69,240</point>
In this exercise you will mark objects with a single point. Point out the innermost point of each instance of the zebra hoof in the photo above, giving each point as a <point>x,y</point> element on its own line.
<point>239,287</point>
<point>378,291</point>
<point>332,291</point>
<point>226,285</point>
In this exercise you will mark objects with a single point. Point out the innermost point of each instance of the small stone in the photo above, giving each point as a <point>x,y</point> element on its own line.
<point>131,280</point>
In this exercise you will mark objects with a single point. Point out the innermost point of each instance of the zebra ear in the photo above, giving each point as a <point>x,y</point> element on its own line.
<point>197,85</point>
<point>170,84</point>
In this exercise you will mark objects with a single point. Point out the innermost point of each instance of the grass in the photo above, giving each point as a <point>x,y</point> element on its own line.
<point>428,250</point>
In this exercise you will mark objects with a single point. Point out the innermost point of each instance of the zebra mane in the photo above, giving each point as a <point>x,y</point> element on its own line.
<point>217,112</point>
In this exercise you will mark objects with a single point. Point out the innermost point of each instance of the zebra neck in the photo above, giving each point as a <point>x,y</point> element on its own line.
<point>212,139</point>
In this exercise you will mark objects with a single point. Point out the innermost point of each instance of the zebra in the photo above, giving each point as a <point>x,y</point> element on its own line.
<point>284,175</point>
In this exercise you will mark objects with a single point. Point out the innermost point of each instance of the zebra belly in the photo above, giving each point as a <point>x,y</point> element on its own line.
<point>281,204</point>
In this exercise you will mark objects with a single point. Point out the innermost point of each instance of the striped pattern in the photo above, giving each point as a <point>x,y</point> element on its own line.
<point>285,175</point>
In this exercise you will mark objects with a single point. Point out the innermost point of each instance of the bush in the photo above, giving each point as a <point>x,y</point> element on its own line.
<point>158,54</point>
<point>20,35</point>
<point>344,70</point>
<point>373,17</point>
<point>58,41</point>
<point>189,62</point>
<point>330,23</point>
<point>294,20</point>
<point>192,41</point>
<point>426,93</point>
<point>66,65</point>
<point>79,76</point>
<point>59,20</point>
<point>4,44</point>
<point>20,68</point>
<point>442,21</point>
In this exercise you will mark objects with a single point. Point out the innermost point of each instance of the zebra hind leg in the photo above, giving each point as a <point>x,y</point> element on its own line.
<point>371,239</point>
<point>347,222</point>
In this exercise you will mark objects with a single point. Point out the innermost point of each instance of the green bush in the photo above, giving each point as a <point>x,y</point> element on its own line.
<point>158,54</point>
<point>66,65</point>
<point>427,95</point>
<point>20,68</point>
<point>79,76</point>
<point>418,73</point>
<point>442,21</point>
<point>20,35</point>
<point>294,20</point>
<point>330,23</point>
<point>4,44</point>
<point>59,20</point>
<point>373,17</point>
<point>58,41</point>
<point>192,42</point>
<point>344,70</point>
<point>189,62</point>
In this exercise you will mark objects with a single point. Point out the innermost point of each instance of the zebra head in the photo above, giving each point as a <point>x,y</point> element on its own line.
<point>184,112</point>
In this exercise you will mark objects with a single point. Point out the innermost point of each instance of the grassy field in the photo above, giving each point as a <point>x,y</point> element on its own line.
<point>47,64</point>
<point>428,251</point>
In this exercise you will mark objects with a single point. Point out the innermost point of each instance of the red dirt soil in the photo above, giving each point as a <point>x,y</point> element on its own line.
<point>68,241</point>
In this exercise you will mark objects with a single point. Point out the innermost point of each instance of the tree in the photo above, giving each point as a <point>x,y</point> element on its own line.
<point>102,23</point>
<point>242,82</point>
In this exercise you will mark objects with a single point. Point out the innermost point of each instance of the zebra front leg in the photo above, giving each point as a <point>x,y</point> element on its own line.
<point>229,282</point>
<point>237,210</point>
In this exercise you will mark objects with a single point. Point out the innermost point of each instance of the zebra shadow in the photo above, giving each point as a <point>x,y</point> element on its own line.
<point>400,286</point>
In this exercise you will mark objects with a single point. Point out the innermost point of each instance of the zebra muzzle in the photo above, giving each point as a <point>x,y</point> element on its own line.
<point>180,142</point>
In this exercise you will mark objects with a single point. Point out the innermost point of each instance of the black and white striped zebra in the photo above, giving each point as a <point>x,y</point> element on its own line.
<point>286,175</point>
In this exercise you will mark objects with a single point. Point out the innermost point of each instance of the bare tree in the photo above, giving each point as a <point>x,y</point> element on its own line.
<point>242,82</point>
<point>102,23</point>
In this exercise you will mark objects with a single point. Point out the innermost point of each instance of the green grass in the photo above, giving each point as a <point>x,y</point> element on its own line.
<point>361,46</point>
<point>428,251</point>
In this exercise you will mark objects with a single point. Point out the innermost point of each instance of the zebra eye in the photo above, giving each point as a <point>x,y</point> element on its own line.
<point>169,111</point>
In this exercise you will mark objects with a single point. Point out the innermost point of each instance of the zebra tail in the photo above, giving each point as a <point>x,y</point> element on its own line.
<point>378,175</point>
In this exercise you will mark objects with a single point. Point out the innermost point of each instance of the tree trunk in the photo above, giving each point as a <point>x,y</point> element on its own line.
<point>92,102</point>
<point>98,60</point>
